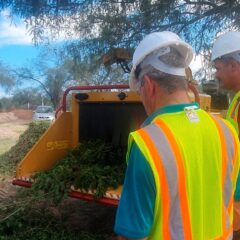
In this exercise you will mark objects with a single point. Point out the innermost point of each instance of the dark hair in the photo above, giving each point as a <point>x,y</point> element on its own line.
<point>137,71</point>
<point>226,59</point>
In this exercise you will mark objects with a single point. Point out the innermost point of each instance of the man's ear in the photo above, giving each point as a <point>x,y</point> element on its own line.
<point>150,85</point>
<point>235,66</point>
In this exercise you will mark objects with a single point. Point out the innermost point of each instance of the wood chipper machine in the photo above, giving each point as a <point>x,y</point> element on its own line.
<point>109,112</point>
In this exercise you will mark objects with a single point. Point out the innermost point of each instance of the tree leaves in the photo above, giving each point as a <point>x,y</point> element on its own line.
<point>95,27</point>
<point>121,23</point>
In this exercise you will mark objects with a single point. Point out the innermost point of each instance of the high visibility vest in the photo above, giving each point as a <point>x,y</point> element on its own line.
<point>181,212</point>
<point>232,113</point>
<point>232,117</point>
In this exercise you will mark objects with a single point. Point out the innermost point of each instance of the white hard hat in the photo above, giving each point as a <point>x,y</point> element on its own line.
<point>157,41</point>
<point>226,44</point>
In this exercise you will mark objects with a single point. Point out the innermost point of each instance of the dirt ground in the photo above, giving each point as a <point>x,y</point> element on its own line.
<point>12,124</point>
<point>19,115</point>
<point>12,119</point>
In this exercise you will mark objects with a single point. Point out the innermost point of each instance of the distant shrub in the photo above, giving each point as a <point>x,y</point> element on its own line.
<point>11,158</point>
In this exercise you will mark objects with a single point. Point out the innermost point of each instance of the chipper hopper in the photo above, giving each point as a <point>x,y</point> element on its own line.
<point>107,112</point>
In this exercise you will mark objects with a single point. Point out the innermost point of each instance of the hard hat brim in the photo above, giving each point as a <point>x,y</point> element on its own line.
<point>225,44</point>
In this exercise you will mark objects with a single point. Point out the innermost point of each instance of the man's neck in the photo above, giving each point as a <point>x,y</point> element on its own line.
<point>237,87</point>
<point>236,81</point>
<point>179,97</point>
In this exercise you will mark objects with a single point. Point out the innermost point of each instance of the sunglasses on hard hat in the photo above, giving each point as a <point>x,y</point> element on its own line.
<point>137,71</point>
<point>139,84</point>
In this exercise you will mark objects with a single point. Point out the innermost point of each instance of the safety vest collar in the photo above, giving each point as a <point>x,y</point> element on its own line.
<point>167,109</point>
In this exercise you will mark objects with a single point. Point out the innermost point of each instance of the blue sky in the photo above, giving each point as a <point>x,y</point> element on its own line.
<point>16,47</point>
<point>15,42</point>
<point>17,55</point>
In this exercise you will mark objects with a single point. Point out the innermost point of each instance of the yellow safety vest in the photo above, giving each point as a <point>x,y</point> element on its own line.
<point>195,179</point>
<point>232,113</point>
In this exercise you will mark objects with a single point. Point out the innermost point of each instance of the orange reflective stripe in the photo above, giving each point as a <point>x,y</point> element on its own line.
<point>182,181</point>
<point>234,108</point>
<point>224,164</point>
<point>226,235</point>
<point>163,182</point>
<point>230,206</point>
<point>235,148</point>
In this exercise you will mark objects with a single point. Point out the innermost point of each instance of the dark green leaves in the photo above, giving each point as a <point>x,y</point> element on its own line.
<point>93,165</point>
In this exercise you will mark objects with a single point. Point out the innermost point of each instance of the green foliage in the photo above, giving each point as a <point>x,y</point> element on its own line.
<point>27,97</point>
<point>6,103</point>
<point>92,165</point>
<point>55,80</point>
<point>23,98</point>
<point>7,79</point>
<point>36,220</point>
<point>89,69</point>
<point>51,80</point>
<point>99,26</point>
<point>10,159</point>
<point>104,24</point>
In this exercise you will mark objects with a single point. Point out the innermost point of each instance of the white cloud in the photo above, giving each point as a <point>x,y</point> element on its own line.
<point>12,33</point>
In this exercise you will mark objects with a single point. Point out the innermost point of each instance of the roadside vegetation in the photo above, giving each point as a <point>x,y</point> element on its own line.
<point>9,134</point>
<point>45,211</point>
<point>10,158</point>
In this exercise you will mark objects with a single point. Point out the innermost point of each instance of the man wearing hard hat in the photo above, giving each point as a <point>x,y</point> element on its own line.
<point>226,59</point>
<point>182,163</point>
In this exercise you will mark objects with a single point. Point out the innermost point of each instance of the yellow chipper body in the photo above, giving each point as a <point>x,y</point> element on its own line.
<point>104,112</point>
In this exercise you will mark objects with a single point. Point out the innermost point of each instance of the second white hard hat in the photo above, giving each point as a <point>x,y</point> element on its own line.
<point>226,44</point>
<point>157,41</point>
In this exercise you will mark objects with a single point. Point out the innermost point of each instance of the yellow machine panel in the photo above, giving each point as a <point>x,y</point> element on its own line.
<point>51,147</point>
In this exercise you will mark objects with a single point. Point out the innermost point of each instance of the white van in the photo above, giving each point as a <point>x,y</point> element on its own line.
<point>43,113</point>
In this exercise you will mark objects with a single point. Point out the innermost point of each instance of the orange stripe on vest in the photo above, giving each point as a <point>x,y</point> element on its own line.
<point>163,183</point>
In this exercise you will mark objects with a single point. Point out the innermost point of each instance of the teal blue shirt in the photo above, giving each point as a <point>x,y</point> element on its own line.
<point>135,212</point>
<point>237,191</point>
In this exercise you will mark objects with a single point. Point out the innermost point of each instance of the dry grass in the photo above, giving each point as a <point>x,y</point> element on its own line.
<point>12,125</point>
<point>9,134</point>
